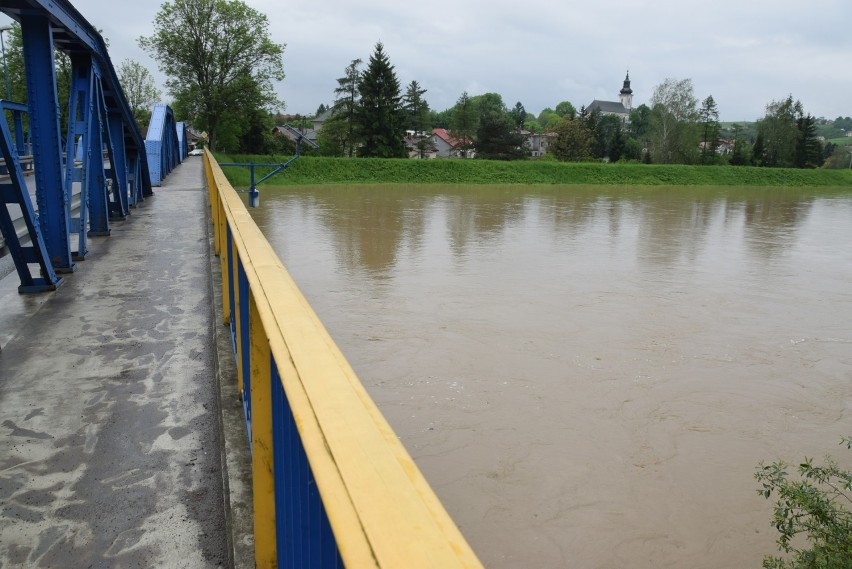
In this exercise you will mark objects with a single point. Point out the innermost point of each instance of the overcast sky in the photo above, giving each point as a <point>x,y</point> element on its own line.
<point>743,52</point>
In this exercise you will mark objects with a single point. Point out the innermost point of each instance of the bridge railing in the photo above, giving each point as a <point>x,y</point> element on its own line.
<point>333,486</point>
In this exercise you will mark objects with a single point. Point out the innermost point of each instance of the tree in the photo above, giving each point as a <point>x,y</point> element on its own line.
<point>548,119</point>
<point>815,506</point>
<point>518,115</point>
<point>379,115</point>
<point>778,134</point>
<point>139,89</point>
<point>740,156</point>
<point>573,140</point>
<point>464,122</point>
<point>320,109</point>
<point>417,114</point>
<point>709,120</point>
<point>495,139</point>
<point>673,117</point>
<point>219,60</point>
<point>566,109</point>
<point>345,104</point>
<point>809,150</point>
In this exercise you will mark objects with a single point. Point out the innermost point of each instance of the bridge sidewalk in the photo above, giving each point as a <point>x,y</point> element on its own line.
<point>110,446</point>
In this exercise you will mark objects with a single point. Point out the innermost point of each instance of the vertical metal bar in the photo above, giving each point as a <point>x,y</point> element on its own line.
<point>232,321</point>
<point>243,343</point>
<point>263,485</point>
<point>79,109</point>
<point>93,165</point>
<point>54,205</point>
<point>118,159</point>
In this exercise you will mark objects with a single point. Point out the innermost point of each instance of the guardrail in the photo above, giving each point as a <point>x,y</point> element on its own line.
<point>332,484</point>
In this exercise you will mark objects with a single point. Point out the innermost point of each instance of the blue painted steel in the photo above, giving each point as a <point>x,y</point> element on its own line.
<point>243,291</point>
<point>231,303</point>
<point>49,24</point>
<point>16,192</point>
<point>79,111</point>
<point>118,161</point>
<point>183,143</point>
<point>303,534</point>
<point>54,204</point>
<point>161,143</point>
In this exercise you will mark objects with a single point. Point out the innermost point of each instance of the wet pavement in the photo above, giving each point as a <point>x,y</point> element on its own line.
<point>110,454</point>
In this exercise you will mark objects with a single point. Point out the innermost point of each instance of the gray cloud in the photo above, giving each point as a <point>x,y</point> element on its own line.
<point>743,52</point>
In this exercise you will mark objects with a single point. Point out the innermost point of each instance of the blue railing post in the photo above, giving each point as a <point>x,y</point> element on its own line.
<point>54,205</point>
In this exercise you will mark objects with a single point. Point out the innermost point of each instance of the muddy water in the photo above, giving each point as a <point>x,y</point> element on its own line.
<point>589,376</point>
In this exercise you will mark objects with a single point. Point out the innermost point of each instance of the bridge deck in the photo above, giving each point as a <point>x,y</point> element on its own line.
<point>110,450</point>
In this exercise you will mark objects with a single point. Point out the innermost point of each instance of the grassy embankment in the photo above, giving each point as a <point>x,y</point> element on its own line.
<point>315,170</point>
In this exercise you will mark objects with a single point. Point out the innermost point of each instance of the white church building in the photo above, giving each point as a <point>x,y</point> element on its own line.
<point>620,108</point>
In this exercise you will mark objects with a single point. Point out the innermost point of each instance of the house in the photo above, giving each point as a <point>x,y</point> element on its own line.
<point>448,146</point>
<point>419,145</point>
<point>537,142</point>
<point>620,108</point>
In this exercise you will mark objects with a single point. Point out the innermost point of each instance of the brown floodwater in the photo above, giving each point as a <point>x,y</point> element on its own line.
<point>588,376</point>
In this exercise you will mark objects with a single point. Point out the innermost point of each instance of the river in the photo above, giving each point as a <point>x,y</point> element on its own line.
<point>588,376</point>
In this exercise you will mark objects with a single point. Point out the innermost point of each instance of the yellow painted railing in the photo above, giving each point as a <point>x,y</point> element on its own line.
<point>333,486</point>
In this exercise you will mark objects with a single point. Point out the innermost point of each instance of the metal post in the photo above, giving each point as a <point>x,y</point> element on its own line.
<point>54,205</point>
<point>5,68</point>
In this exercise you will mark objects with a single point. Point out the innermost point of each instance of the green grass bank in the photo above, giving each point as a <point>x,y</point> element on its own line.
<point>319,170</point>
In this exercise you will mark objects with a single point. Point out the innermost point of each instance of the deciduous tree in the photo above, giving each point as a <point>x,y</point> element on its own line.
<point>464,122</point>
<point>673,116</point>
<point>220,62</point>
<point>573,141</point>
<point>139,89</point>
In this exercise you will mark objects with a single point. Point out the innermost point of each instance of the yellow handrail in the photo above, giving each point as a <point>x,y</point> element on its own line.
<point>380,508</point>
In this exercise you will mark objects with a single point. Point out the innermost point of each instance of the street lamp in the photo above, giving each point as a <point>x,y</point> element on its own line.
<point>5,68</point>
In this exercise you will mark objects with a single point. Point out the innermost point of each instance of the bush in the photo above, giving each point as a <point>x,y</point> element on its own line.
<point>812,514</point>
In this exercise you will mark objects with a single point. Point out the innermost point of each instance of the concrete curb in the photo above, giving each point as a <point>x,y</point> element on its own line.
<point>236,456</point>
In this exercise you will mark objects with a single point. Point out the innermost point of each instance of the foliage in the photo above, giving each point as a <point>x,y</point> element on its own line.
<point>709,120</point>
<point>672,127</point>
<point>18,79</point>
<point>840,158</point>
<point>220,63</point>
<point>566,109</point>
<point>778,133</point>
<point>343,109</point>
<point>139,89</point>
<point>379,115</point>
<point>464,122</point>
<point>573,140</point>
<point>496,138</point>
<point>518,115</point>
<point>417,113</point>
<point>321,170</point>
<point>814,506</point>
<point>808,152</point>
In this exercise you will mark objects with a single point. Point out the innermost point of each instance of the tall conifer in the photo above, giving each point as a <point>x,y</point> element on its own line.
<point>380,115</point>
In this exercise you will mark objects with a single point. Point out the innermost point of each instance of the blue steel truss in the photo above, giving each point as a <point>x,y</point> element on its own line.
<point>105,151</point>
<point>162,144</point>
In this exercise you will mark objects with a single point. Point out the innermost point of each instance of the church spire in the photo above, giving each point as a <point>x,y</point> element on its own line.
<point>626,94</point>
<point>626,90</point>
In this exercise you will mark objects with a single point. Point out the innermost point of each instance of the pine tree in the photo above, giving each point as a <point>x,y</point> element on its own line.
<point>379,115</point>
<point>709,118</point>
<point>808,147</point>
<point>346,103</point>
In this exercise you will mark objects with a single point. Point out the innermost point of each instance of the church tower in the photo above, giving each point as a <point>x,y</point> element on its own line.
<point>626,94</point>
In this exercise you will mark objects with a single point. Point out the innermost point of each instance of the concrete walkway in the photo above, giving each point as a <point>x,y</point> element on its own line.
<point>109,430</point>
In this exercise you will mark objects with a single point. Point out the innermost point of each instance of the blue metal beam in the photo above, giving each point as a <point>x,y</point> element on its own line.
<point>54,205</point>
<point>15,192</point>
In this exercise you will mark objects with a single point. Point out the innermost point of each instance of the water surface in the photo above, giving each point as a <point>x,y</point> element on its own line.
<point>588,376</point>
